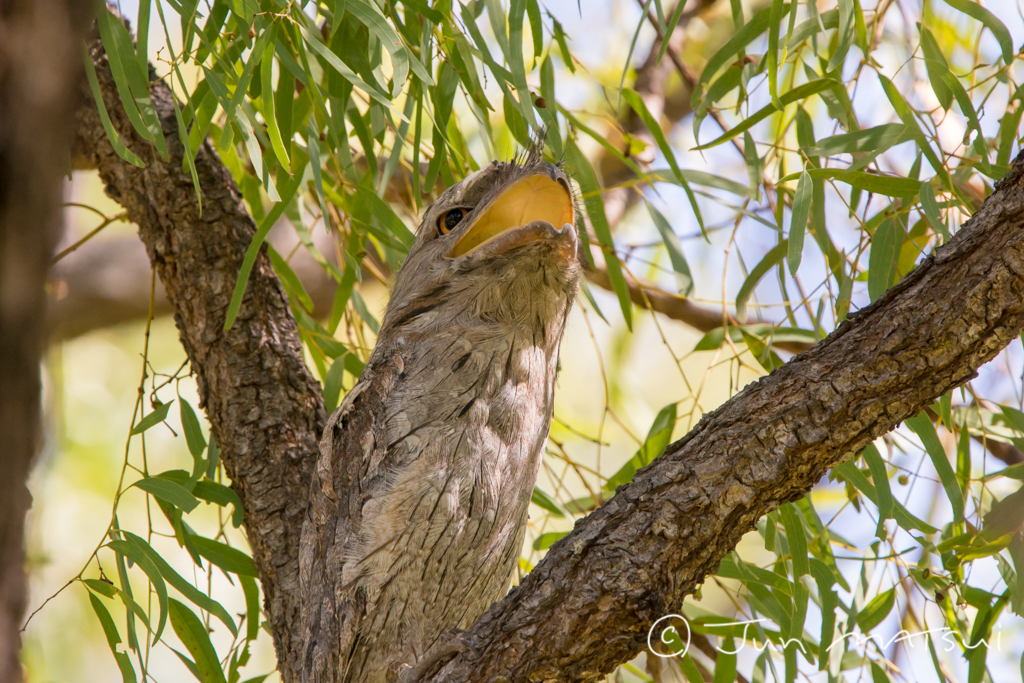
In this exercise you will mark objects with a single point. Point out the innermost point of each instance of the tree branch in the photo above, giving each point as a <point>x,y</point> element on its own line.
<point>589,603</point>
<point>264,408</point>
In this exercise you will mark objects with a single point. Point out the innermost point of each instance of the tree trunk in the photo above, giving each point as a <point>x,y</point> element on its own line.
<point>588,605</point>
<point>39,69</point>
<point>264,407</point>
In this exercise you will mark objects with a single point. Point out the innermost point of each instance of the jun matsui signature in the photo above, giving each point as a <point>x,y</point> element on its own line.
<point>671,643</point>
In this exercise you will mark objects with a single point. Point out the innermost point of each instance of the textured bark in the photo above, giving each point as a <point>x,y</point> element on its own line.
<point>264,407</point>
<point>39,74</point>
<point>589,604</point>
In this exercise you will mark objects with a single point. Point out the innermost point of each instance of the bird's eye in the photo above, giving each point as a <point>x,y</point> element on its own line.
<point>450,220</point>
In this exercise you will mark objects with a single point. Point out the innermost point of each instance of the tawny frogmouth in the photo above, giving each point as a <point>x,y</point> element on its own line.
<point>419,500</point>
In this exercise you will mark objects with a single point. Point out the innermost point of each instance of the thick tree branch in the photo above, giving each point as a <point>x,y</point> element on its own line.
<point>264,407</point>
<point>588,605</point>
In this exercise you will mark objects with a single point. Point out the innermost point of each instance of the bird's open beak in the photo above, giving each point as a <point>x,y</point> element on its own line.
<point>534,206</point>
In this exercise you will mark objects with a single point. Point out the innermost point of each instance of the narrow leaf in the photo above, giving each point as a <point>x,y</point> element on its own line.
<point>169,492</point>
<point>684,280</point>
<point>158,415</point>
<point>925,430</point>
<point>798,222</point>
<point>770,260</point>
<point>190,630</point>
<point>224,556</point>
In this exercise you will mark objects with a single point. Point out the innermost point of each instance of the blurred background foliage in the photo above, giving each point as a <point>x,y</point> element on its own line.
<point>752,171</point>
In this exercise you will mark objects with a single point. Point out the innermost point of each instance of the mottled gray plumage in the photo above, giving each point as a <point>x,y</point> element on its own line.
<point>419,502</point>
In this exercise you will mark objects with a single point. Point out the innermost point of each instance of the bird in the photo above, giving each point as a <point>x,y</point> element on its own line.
<point>419,499</point>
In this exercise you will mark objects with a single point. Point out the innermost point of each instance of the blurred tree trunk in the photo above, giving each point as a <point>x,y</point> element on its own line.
<point>39,71</point>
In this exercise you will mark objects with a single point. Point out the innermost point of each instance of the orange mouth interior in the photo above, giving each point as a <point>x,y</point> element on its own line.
<point>531,199</point>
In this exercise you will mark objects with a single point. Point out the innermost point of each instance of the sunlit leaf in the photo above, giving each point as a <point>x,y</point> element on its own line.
<point>798,223</point>
<point>925,430</point>
<point>991,22</point>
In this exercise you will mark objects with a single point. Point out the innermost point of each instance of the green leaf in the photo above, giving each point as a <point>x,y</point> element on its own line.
<point>640,108</point>
<point>931,210</point>
<point>1005,516</point>
<point>210,491</point>
<point>885,248</point>
<point>224,556</point>
<point>825,579</point>
<point>658,438</point>
<point>383,212</point>
<point>152,572</point>
<point>795,95</point>
<point>231,108</point>
<point>193,432</point>
<point>102,587</point>
<point>876,610</point>
<point>252,607</point>
<point>880,478</point>
<point>755,167</point>
<point>761,351</point>
<point>587,179</point>
<point>516,62</point>
<point>903,517</point>
<point>906,115</point>
<point>169,492</point>
<point>876,139</point>
<point>132,84</point>
<point>798,222</point>
<point>254,247</point>
<point>774,27</point>
<point>192,634</point>
<point>998,29</point>
<point>770,260</point>
<point>797,540</point>
<point>252,147</point>
<point>925,430</point>
<point>812,26</point>
<point>891,186</point>
<point>312,39</point>
<point>937,67</point>
<point>97,94</point>
<point>684,280</point>
<point>541,499</point>
<point>844,35</point>
<point>716,337</point>
<point>158,415</point>
<point>124,663</point>
<point>733,47</point>
<point>181,585</point>
<point>545,541</point>
<point>1008,126</point>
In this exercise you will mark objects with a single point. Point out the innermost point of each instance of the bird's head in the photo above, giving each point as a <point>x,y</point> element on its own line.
<point>498,247</point>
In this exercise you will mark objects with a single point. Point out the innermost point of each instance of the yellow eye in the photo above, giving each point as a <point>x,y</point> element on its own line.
<point>450,220</point>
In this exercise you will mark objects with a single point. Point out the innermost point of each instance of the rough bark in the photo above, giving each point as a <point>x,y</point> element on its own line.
<point>264,407</point>
<point>39,68</point>
<point>589,604</point>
